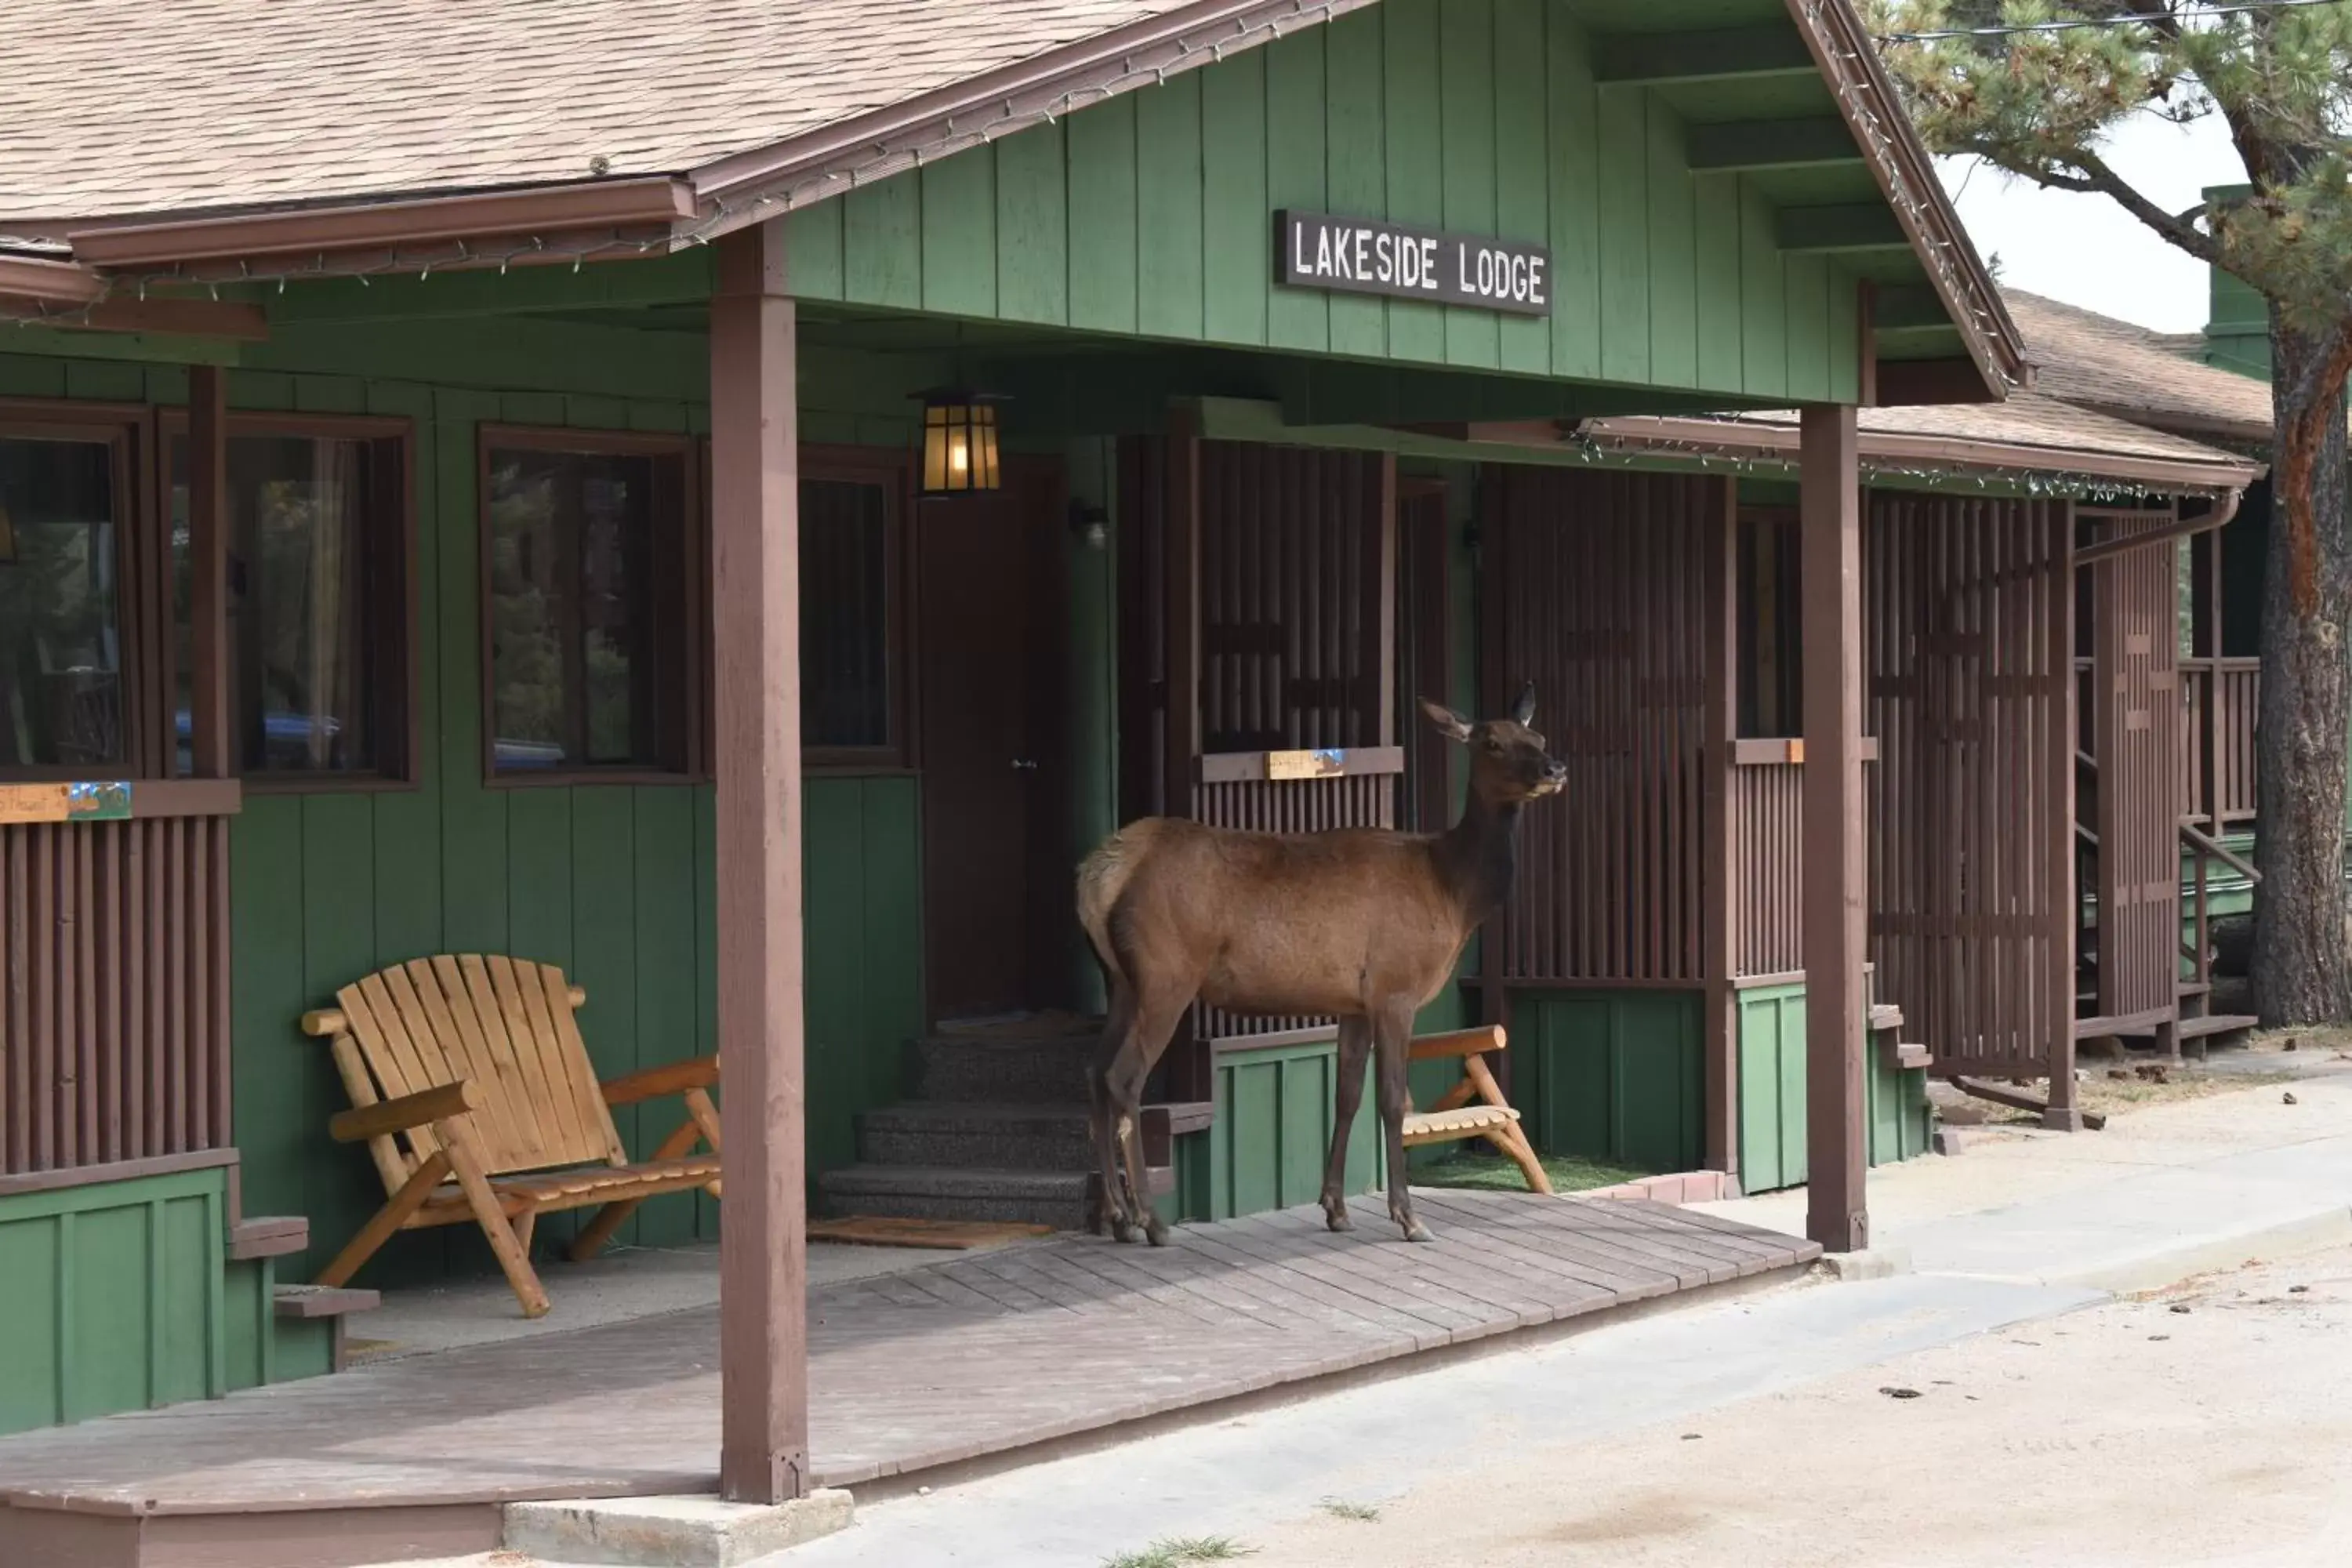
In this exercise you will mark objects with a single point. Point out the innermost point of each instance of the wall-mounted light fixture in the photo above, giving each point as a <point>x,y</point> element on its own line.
<point>960,443</point>
<point>1090,522</point>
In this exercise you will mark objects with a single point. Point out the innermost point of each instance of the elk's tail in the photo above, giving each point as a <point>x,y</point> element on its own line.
<point>1102,877</point>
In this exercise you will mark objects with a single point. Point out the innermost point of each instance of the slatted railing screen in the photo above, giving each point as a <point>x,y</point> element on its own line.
<point>1297,645</point>
<point>1601,588</point>
<point>1964,603</point>
<point>1767,875</point>
<point>114,940</point>
<point>1295,567</point>
<point>2189,744</point>
<point>2135,710</point>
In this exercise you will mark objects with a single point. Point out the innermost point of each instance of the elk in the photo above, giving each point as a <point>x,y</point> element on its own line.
<point>1363,925</point>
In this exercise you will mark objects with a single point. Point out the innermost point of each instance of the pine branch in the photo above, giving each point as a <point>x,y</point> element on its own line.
<point>2174,229</point>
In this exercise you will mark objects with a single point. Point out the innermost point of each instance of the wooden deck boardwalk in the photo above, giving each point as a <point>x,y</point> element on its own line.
<point>982,1354</point>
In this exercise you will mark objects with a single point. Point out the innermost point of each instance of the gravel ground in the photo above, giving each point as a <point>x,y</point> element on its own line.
<point>2208,1423</point>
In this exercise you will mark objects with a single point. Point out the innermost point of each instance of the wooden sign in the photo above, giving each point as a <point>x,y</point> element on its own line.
<point>1364,256</point>
<point>64,802</point>
<point>1329,762</point>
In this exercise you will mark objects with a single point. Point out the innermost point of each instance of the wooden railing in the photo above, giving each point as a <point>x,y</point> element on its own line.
<point>2220,699</point>
<point>1767,875</point>
<point>114,977</point>
<point>2227,694</point>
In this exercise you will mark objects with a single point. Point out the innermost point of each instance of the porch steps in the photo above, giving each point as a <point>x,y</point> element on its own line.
<point>2214,1026</point>
<point>1057,1198</point>
<point>995,1130</point>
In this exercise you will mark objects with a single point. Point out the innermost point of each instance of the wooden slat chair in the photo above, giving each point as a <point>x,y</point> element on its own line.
<point>1474,1108</point>
<point>473,1090</point>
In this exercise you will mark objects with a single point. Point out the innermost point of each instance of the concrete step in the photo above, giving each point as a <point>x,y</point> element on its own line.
<point>1058,1198</point>
<point>970,1133</point>
<point>990,1071</point>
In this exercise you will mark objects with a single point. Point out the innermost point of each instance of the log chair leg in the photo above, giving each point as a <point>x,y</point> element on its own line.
<point>388,1219</point>
<point>484,1200</point>
<point>1512,1140</point>
<point>609,1218</point>
<point>525,1224</point>
<point>699,1106</point>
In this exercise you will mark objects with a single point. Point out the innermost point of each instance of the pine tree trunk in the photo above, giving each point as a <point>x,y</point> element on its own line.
<point>2303,942</point>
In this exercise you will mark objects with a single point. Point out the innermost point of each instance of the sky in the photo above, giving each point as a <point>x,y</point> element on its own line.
<point>2085,249</point>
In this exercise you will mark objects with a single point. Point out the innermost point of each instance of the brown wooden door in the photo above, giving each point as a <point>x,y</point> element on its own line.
<point>989,695</point>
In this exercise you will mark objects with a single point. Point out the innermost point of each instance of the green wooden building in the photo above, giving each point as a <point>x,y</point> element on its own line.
<point>373,506</point>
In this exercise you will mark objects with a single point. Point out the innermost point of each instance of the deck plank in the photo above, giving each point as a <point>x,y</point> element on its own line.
<point>974,1353</point>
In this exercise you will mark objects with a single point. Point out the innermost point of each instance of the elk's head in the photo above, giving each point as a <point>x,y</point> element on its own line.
<point>1508,764</point>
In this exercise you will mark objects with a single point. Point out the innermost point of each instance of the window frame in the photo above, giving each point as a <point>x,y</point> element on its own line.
<point>402,706</point>
<point>893,469</point>
<point>693,688</point>
<point>141,594</point>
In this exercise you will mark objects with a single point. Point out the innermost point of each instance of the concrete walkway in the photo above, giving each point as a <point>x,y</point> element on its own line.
<point>2021,1226</point>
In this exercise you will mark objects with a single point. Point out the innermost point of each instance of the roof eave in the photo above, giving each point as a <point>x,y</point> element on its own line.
<point>1866,96</point>
<point>1775,442</point>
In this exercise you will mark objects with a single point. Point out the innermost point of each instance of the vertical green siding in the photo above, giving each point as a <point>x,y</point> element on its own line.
<point>1273,1130</point>
<point>112,1298</point>
<point>1610,1075</point>
<point>1152,213</point>
<point>1773,1095</point>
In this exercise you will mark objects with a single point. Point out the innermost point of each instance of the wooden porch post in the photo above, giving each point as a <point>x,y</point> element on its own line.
<point>208,721</point>
<point>2061,739</point>
<point>1837,1211</point>
<point>1719,1029</point>
<point>755,613</point>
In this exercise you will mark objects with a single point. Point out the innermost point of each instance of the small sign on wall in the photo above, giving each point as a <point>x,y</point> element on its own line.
<point>1329,762</point>
<point>105,802</point>
<point>1365,256</point>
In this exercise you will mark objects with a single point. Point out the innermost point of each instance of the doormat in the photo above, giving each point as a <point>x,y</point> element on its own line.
<point>880,1230</point>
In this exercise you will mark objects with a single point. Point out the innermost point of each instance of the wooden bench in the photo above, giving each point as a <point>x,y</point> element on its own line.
<point>1474,1108</point>
<point>472,1089</point>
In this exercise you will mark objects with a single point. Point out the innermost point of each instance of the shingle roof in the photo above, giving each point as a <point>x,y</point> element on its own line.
<point>2096,362</point>
<point>229,102</point>
<point>2030,431</point>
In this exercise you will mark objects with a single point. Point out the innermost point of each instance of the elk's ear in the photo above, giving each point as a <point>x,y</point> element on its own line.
<point>1523,711</point>
<point>1450,724</point>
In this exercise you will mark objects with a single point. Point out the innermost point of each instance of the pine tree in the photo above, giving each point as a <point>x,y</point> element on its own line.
<point>2034,87</point>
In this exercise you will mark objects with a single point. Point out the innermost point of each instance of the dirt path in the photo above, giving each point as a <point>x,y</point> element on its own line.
<point>2128,1434</point>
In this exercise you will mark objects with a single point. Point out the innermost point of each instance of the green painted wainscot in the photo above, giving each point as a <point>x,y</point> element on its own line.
<point>1772,1094</point>
<point>1273,1129</point>
<point>1610,1075</point>
<point>121,1296</point>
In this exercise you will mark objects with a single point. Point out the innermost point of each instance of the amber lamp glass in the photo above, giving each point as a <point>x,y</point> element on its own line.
<point>959,443</point>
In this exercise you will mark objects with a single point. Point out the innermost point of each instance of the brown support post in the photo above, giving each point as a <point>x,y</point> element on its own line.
<point>1719,1029</point>
<point>1184,619</point>
<point>2060,740</point>
<point>1830,557</point>
<point>209,523</point>
<point>755,613</point>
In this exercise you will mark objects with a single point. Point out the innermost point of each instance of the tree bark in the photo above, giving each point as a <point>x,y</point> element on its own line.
<point>2302,939</point>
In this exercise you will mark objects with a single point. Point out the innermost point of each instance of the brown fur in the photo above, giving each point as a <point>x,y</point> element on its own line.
<point>1361,923</point>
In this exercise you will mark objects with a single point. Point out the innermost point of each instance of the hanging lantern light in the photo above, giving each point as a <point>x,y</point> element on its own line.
<point>958,443</point>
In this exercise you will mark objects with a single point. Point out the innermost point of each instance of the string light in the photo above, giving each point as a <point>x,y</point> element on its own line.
<point>2076,23</point>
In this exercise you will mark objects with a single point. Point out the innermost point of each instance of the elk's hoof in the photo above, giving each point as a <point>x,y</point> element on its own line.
<point>1121,1231</point>
<point>1155,1231</point>
<point>1416,1231</point>
<point>1335,1215</point>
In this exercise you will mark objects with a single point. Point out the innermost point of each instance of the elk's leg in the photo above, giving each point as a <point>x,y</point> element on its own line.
<point>1157,1011</point>
<point>1393,1032</point>
<point>1347,1095</point>
<point>1102,1123</point>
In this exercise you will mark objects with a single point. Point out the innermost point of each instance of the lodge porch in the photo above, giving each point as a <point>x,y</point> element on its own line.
<point>911,1374</point>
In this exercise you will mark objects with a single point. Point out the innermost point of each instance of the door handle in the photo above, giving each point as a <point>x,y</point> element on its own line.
<point>1024,765</point>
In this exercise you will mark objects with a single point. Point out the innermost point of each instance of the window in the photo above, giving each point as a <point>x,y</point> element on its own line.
<point>1770,675</point>
<point>852,681</point>
<point>590,567</point>
<point>62,504</point>
<point>318,611</point>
